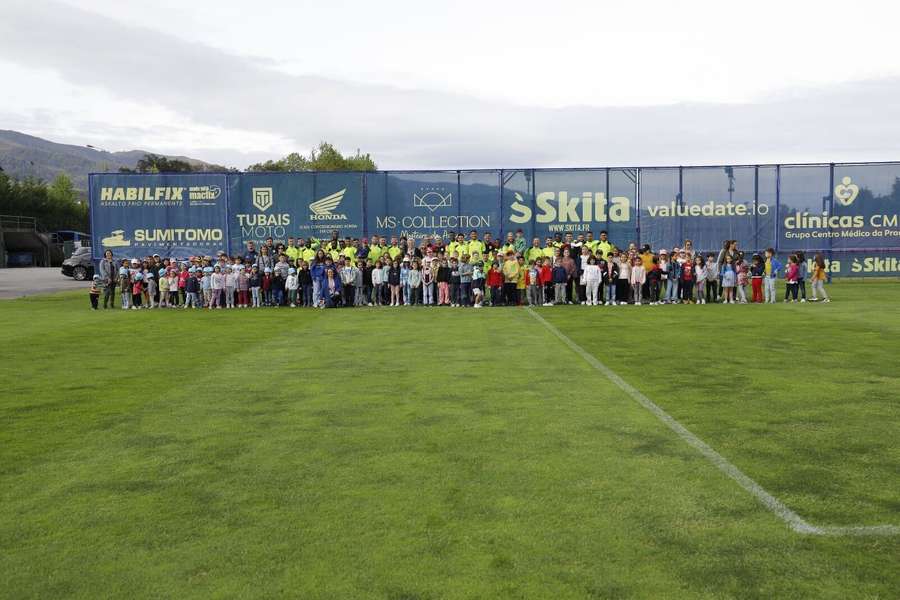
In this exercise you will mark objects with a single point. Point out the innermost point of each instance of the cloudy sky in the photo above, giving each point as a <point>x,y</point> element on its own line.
<point>459,84</point>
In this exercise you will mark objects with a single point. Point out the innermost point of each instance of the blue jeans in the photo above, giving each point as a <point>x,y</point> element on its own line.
<point>278,296</point>
<point>610,291</point>
<point>407,293</point>
<point>316,292</point>
<point>307,294</point>
<point>465,290</point>
<point>671,290</point>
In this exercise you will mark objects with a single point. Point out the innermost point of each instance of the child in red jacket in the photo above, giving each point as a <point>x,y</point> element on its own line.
<point>546,281</point>
<point>495,282</point>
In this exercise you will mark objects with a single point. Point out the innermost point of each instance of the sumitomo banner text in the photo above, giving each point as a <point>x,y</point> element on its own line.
<point>839,209</point>
<point>171,215</point>
<point>283,205</point>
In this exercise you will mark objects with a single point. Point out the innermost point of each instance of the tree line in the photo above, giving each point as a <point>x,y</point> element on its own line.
<point>55,205</point>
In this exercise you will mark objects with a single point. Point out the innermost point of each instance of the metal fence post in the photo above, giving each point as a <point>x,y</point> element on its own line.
<point>830,212</point>
<point>756,208</point>
<point>365,204</point>
<point>777,207</point>
<point>637,205</point>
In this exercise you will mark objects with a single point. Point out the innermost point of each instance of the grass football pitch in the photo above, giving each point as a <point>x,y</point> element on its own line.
<point>449,453</point>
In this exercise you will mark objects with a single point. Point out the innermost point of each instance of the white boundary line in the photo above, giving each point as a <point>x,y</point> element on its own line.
<point>793,520</point>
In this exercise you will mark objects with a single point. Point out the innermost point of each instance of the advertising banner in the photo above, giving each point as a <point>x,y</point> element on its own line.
<point>416,204</point>
<point>850,212</point>
<point>283,205</point>
<point>170,215</point>
<point>550,202</point>
<point>857,264</point>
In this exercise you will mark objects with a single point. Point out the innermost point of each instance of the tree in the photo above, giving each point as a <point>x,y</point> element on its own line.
<point>57,206</point>
<point>156,163</point>
<point>62,192</point>
<point>325,157</point>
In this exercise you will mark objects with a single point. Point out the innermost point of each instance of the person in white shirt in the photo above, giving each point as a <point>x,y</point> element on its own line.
<point>591,277</point>
<point>290,285</point>
<point>638,277</point>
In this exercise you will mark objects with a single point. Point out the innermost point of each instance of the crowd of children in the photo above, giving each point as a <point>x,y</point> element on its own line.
<point>467,272</point>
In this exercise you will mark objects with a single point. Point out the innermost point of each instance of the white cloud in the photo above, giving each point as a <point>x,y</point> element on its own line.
<point>462,85</point>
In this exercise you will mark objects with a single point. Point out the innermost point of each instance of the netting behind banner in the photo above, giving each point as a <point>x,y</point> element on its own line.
<point>843,210</point>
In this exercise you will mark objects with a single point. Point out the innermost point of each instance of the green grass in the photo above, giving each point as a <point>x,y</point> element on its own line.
<point>446,453</point>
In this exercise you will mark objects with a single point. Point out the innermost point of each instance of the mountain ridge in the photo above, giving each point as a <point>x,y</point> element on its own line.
<point>23,155</point>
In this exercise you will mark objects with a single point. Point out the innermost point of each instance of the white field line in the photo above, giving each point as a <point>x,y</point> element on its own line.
<point>793,520</point>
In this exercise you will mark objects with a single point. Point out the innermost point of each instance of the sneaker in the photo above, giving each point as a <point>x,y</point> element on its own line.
<point>370,304</point>
<point>803,300</point>
<point>826,300</point>
<point>292,306</point>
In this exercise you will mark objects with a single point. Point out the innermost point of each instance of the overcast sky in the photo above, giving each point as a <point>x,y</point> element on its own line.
<point>459,84</point>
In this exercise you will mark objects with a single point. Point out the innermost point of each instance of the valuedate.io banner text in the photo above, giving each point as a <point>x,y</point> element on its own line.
<point>833,208</point>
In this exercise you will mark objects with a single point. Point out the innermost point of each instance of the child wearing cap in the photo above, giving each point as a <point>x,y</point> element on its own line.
<point>267,286</point>
<point>192,289</point>
<point>137,290</point>
<point>151,290</point>
<point>206,286</point>
<point>291,284</point>
<point>125,284</point>
<point>94,292</point>
<point>163,288</point>
<point>478,284</point>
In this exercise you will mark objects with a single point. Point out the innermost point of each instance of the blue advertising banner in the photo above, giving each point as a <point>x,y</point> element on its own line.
<point>283,205</point>
<point>169,215</point>
<point>550,202</point>
<point>857,264</point>
<point>850,212</point>
<point>439,203</point>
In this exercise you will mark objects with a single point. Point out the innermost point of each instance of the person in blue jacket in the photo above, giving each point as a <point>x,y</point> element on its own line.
<point>772,266</point>
<point>331,288</point>
<point>317,272</point>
